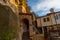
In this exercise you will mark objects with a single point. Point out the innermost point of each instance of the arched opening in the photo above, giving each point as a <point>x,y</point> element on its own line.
<point>26,25</point>
<point>25,35</point>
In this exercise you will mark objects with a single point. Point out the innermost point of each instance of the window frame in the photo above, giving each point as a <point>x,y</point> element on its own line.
<point>44,19</point>
<point>56,17</point>
<point>48,19</point>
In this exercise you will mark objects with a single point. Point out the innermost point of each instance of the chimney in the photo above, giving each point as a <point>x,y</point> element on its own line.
<point>52,10</point>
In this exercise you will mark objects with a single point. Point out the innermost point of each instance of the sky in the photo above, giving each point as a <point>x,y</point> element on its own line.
<point>42,7</point>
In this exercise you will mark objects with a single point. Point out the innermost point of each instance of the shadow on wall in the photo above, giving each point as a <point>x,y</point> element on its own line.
<point>8,23</point>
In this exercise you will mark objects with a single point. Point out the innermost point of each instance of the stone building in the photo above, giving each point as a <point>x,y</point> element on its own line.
<point>30,27</point>
<point>50,24</point>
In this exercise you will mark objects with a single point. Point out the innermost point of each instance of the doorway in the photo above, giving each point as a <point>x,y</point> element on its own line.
<point>45,32</point>
<point>26,35</point>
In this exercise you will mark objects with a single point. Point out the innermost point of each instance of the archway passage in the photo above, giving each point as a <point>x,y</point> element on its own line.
<point>25,35</point>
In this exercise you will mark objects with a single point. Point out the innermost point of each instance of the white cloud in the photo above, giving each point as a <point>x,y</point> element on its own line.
<point>46,5</point>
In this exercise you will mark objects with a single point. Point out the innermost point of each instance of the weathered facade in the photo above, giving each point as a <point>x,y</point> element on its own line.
<point>50,23</point>
<point>28,26</point>
<point>22,19</point>
<point>8,19</point>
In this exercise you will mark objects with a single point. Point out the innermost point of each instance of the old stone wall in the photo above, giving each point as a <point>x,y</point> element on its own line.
<point>8,21</point>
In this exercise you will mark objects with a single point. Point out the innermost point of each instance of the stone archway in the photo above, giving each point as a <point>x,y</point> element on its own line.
<point>25,35</point>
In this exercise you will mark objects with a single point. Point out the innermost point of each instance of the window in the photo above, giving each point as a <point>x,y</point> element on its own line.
<point>59,15</point>
<point>56,17</point>
<point>44,19</point>
<point>48,19</point>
